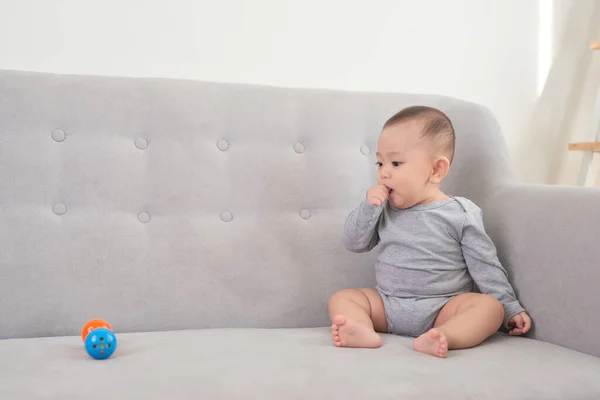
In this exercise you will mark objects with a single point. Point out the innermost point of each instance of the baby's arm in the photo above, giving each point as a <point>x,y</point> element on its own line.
<point>485,268</point>
<point>360,229</point>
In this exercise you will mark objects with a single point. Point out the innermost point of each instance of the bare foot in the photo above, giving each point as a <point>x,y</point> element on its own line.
<point>349,333</point>
<point>432,342</point>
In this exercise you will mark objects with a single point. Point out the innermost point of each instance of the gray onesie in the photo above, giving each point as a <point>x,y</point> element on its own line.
<point>428,254</point>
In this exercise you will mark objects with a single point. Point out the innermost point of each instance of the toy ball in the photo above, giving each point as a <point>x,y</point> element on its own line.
<point>94,324</point>
<point>100,342</point>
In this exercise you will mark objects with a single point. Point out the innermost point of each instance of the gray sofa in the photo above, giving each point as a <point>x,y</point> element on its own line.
<point>203,222</point>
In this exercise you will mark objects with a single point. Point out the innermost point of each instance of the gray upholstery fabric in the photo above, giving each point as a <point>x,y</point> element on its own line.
<point>548,239</point>
<point>169,205</point>
<point>291,364</point>
<point>286,151</point>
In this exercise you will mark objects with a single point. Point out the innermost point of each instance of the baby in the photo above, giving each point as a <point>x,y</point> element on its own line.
<point>432,248</point>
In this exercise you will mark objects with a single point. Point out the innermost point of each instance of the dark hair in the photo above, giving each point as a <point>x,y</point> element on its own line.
<point>437,126</point>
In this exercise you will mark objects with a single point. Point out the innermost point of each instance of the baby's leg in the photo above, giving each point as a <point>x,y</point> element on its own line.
<point>356,314</point>
<point>465,321</point>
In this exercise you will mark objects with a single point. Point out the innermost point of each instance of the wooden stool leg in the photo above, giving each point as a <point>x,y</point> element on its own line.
<point>584,169</point>
<point>590,162</point>
<point>592,174</point>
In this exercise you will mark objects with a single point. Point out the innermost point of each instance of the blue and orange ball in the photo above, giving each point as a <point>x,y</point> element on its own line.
<point>100,342</point>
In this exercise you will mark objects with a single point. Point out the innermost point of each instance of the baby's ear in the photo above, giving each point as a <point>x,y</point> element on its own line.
<point>441,165</point>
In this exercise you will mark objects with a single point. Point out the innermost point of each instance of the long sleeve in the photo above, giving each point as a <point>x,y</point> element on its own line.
<point>482,261</point>
<point>360,229</point>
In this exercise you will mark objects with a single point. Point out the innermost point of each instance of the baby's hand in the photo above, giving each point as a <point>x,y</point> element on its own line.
<point>377,195</point>
<point>522,322</point>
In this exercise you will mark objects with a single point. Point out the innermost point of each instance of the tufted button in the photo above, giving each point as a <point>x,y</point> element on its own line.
<point>226,216</point>
<point>59,135</point>
<point>365,150</point>
<point>299,148</point>
<point>222,145</point>
<point>59,209</point>
<point>141,143</point>
<point>144,217</point>
<point>304,213</point>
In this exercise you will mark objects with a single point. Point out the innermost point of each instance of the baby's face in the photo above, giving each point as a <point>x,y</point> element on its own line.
<point>405,164</point>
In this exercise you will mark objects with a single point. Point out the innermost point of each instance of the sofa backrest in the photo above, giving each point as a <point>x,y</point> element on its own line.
<point>169,204</point>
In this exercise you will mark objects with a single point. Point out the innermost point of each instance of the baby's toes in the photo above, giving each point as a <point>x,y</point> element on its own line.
<point>442,351</point>
<point>335,334</point>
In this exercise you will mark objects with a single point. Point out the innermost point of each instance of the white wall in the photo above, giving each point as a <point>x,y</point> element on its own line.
<point>479,50</point>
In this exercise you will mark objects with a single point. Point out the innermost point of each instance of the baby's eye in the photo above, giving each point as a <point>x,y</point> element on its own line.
<point>396,163</point>
<point>379,164</point>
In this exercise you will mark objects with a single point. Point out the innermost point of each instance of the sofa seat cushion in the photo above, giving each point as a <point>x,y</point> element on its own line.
<point>290,364</point>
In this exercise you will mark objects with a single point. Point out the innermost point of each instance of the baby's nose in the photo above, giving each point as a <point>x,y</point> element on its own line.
<point>384,173</point>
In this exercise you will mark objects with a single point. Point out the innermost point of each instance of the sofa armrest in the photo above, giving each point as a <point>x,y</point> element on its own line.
<point>548,238</point>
